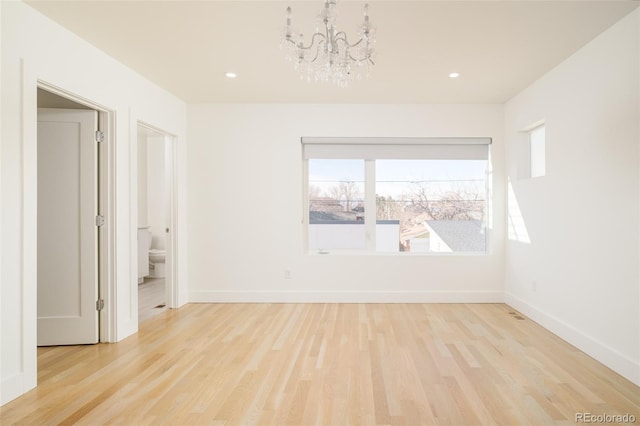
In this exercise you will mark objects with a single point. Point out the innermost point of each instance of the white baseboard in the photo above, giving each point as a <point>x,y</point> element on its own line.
<point>12,387</point>
<point>345,297</point>
<point>605,354</point>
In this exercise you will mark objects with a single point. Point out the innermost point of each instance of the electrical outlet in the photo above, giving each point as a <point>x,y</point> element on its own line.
<point>288,274</point>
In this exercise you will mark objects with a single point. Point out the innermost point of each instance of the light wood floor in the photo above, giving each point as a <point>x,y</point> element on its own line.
<point>333,364</point>
<point>151,298</point>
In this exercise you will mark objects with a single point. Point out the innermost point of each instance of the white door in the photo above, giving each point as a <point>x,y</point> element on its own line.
<point>67,232</point>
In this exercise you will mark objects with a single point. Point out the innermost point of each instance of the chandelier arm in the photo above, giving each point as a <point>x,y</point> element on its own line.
<point>341,33</point>
<point>366,58</point>
<point>313,38</point>
<point>356,43</point>
<point>317,54</point>
<point>342,36</point>
<point>309,61</point>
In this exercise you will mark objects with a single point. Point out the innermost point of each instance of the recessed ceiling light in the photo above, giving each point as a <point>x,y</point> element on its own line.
<point>454,75</point>
<point>230,74</point>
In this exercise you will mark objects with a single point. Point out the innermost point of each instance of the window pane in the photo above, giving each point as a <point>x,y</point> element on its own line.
<point>336,204</point>
<point>430,205</point>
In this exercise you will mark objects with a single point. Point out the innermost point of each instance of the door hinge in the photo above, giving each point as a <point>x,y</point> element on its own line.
<point>99,136</point>
<point>99,220</point>
<point>99,304</point>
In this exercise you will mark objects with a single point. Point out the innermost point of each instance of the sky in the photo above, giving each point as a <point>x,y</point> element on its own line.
<point>393,177</point>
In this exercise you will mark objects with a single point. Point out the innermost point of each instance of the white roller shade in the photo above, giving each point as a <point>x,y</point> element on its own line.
<point>397,148</point>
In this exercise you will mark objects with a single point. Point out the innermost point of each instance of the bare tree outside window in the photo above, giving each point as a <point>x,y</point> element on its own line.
<point>348,193</point>
<point>459,202</point>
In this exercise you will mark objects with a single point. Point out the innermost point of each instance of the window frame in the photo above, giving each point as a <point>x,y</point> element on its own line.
<point>370,221</point>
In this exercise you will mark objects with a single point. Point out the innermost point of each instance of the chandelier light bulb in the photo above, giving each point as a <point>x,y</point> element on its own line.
<point>329,55</point>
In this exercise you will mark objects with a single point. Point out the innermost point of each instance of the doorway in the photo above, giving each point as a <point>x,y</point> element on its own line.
<point>68,267</point>
<point>155,221</point>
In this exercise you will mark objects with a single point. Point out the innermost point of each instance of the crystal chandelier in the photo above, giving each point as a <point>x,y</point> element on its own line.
<point>330,56</point>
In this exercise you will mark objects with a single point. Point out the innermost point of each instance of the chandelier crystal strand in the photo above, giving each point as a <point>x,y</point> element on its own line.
<point>330,56</point>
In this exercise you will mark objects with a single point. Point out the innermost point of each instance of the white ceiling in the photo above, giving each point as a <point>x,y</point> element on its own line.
<point>498,47</point>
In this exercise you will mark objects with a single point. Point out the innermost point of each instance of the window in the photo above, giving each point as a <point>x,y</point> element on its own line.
<point>415,195</point>
<point>336,199</point>
<point>537,151</point>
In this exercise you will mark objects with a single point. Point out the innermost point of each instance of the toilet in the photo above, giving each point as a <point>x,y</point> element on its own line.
<point>156,261</point>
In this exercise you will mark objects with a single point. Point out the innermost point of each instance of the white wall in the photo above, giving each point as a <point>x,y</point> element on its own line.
<point>35,48</point>
<point>352,236</point>
<point>245,177</point>
<point>582,218</point>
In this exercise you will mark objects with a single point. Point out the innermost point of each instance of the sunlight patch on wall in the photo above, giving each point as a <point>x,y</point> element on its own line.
<point>517,227</point>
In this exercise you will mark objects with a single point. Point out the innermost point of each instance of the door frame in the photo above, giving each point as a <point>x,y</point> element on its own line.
<point>106,206</point>
<point>171,186</point>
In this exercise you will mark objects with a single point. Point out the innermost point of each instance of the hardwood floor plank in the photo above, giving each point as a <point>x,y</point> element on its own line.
<point>151,295</point>
<point>325,364</point>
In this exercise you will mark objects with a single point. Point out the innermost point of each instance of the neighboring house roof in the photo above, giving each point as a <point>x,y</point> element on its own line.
<point>316,217</point>
<point>341,218</point>
<point>460,235</point>
<point>325,204</point>
<point>415,231</point>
